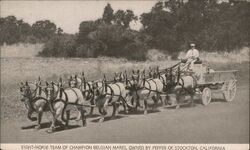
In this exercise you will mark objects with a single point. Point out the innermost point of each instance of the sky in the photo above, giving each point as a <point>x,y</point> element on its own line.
<point>69,14</point>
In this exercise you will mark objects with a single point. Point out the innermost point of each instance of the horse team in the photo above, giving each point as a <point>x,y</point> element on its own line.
<point>59,99</point>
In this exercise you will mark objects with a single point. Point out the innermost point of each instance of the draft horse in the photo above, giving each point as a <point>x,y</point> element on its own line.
<point>59,98</point>
<point>34,98</point>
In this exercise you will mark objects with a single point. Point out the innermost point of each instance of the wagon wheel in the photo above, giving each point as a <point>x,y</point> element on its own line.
<point>206,96</point>
<point>230,91</point>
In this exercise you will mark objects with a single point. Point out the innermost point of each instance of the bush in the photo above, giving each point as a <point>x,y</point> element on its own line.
<point>135,51</point>
<point>60,46</point>
<point>90,49</point>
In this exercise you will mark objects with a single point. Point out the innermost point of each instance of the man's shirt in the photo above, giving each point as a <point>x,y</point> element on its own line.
<point>192,53</point>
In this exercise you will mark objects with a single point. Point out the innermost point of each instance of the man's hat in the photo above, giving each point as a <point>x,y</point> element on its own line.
<point>192,44</point>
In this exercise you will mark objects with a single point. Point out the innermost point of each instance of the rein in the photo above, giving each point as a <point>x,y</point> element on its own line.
<point>89,91</point>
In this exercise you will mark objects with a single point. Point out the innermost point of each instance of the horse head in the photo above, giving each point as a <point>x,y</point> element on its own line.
<point>119,77</point>
<point>73,81</point>
<point>51,90</point>
<point>25,90</point>
<point>137,78</point>
<point>96,87</point>
<point>150,72</point>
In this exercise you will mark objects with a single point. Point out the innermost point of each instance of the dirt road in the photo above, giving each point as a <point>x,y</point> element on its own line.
<point>219,122</point>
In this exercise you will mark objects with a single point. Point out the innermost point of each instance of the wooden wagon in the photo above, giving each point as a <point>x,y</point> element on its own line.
<point>216,81</point>
<point>207,81</point>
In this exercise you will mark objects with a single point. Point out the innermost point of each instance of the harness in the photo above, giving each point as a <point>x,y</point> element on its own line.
<point>183,86</point>
<point>67,97</point>
<point>112,92</point>
<point>32,98</point>
<point>144,87</point>
<point>66,102</point>
<point>62,92</point>
<point>90,91</point>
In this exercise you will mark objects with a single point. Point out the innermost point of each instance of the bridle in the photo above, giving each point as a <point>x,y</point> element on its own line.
<point>52,90</point>
<point>28,94</point>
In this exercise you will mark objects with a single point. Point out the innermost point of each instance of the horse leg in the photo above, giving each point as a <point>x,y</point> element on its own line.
<point>177,101</point>
<point>60,112</point>
<point>145,106</point>
<point>83,117</point>
<point>117,106</point>
<point>158,97</point>
<point>104,111</point>
<point>29,115</point>
<point>163,101</point>
<point>67,119</point>
<point>125,107</point>
<point>178,98</point>
<point>52,126</point>
<point>192,100</point>
<point>84,122</point>
<point>78,118</point>
<point>137,102</point>
<point>114,110</point>
<point>91,108</point>
<point>100,108</point>
<point>155,102</point>
<point>39,118</point>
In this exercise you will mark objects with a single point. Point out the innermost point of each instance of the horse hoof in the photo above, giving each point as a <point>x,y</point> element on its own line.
<point>101,120</point>
<point>84,124</point>
<point>37,127</point>
<point>33,119</point>
<point>50,130</point>
<point>177,107</point>
<point>145,112</point>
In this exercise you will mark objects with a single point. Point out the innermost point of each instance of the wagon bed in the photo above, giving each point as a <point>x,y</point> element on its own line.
<point>217,77</point>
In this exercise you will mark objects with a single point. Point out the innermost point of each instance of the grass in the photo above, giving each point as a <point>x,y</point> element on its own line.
<point>21,50</point>
<point>18,69</point>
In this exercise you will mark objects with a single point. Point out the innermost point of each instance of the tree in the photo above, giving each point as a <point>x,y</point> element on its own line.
<point>43,29</point>
<point>86,27</point>
<point>13,30</point>
<point>129,16</point>
<point>59,31</point>
<point>124,17</point>
<point>119,17</point>
<point>108,14</point>
<point>9,30</point>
